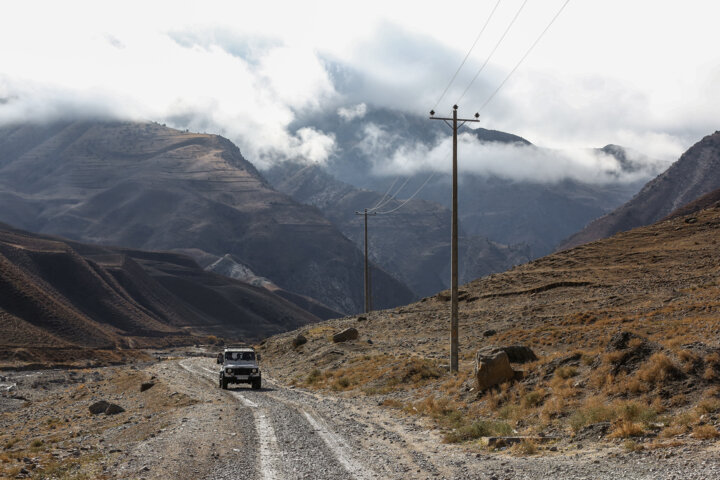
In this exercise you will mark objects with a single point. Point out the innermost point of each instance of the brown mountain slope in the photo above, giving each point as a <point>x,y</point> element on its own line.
<point>150,187</point>
<point>660,284</point>
<point>709,200</point>
<point>59,294</point>
<point>696,173</point>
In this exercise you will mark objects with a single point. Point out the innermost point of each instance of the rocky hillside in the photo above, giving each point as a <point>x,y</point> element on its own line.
<point>693,175</point>
<point>413,243</point>
<point>145,186</point>
<point>58,295</point>
<point>625,330</point>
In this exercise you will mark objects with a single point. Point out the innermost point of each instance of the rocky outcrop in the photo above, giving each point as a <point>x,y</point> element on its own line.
<point>492,368</point>
<point>345,335</point>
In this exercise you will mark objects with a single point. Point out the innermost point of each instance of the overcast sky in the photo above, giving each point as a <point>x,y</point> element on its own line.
<point>640,73</point>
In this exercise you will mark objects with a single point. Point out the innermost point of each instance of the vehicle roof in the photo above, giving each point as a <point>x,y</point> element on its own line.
<point>239,349</point>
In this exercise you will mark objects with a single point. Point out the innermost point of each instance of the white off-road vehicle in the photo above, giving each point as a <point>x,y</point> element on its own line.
<point>239,365</point>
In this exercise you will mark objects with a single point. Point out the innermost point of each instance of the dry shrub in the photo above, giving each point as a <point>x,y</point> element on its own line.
<point>678,400</point>
<point>710,374</point>
<point>705,432</point>
<point>688,358</point>
<point>534,399</point>
<point>525,447</point>
<point>624,428</point>
<point>685,419</point>
<point>313,377</point>
<point>658,369</point>
<point>566,371</point>
<point>632,446</point>
<point>392,403</point>
<point>708,405</point>
<point>673,431</point>
<point>477,429</point>
<point>595,409</point>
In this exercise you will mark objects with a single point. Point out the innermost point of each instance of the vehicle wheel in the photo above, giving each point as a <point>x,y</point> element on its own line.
<point>223,383</point>
<point>256,383</point>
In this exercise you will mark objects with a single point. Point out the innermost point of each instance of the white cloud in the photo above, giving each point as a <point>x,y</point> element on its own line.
<point>607,72</point>
<point>517,162</point>
<point>351,113</point>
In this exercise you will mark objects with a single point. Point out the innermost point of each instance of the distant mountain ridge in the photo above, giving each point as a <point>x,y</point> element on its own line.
<point>142,185</point>
<point>56,293</point>
<point>540,214</point>
<point>695,173</point>
<point>412,242</point>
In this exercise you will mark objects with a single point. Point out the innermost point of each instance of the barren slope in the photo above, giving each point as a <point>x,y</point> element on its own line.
<point>150,187</point>
<point>56,294</point>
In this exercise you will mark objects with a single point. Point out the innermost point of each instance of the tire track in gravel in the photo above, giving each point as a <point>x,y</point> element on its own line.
<point>304,451</point>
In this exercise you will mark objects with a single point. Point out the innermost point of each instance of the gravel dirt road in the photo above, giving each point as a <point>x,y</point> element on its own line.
<point>185,427</point>
<point>288,433</point>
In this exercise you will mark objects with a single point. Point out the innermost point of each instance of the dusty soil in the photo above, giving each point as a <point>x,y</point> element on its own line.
<point>185,427</point>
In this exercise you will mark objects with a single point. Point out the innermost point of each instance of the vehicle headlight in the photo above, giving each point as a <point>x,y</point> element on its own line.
<point>254,370</point>
<point>228,370</point>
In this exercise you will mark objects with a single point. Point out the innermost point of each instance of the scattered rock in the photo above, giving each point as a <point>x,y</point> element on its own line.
<point>361,318</point>
<point>299,339</point>
<point>113,409</point>
<point>345,335</point>
<point>98,407</point>
<point>489,333</point>
<point>146,386</point>
<point>492,369</point>
<point>105,407</point>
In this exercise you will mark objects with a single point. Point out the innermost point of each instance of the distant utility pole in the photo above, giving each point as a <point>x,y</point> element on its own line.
<point>367,270</point>
<point>454,234</point>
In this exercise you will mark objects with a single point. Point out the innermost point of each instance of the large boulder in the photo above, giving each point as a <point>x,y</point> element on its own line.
<point>492,369</point>
<point>345,335</point>
<point>515,353</point>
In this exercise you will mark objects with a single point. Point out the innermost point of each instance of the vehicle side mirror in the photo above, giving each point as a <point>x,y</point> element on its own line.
<point>258,357</point>
<point>220,358</point>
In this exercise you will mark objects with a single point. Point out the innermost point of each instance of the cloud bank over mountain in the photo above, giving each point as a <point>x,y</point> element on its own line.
<point>251,72</point>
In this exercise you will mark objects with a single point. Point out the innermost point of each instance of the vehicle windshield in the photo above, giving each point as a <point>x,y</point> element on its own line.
<point>246,356</point>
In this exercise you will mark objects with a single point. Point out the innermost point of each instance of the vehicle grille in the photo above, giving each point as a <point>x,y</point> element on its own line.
<point>242,371</point>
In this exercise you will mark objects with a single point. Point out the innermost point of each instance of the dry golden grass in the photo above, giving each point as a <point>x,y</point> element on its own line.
<point>659,283</point>
<point>705,432</point>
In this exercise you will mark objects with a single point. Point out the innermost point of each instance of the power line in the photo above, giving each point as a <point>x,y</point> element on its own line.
<point>512,22</point>
<point>537,40</point>
<point>467,55</point>
<point>386,193</point>
<point>411,197</point>
<point>391,197</point>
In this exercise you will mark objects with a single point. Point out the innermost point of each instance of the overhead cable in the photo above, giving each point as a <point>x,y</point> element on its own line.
<point>411,196</point>
<point>467,55</point>
<point>391,197</point>
<point>512,22</point>
<point>537,40</point>
<point>377,205</point>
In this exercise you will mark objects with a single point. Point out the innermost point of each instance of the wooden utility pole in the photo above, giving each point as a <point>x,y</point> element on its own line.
<point>368,301</point>
<point>454,237</point>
